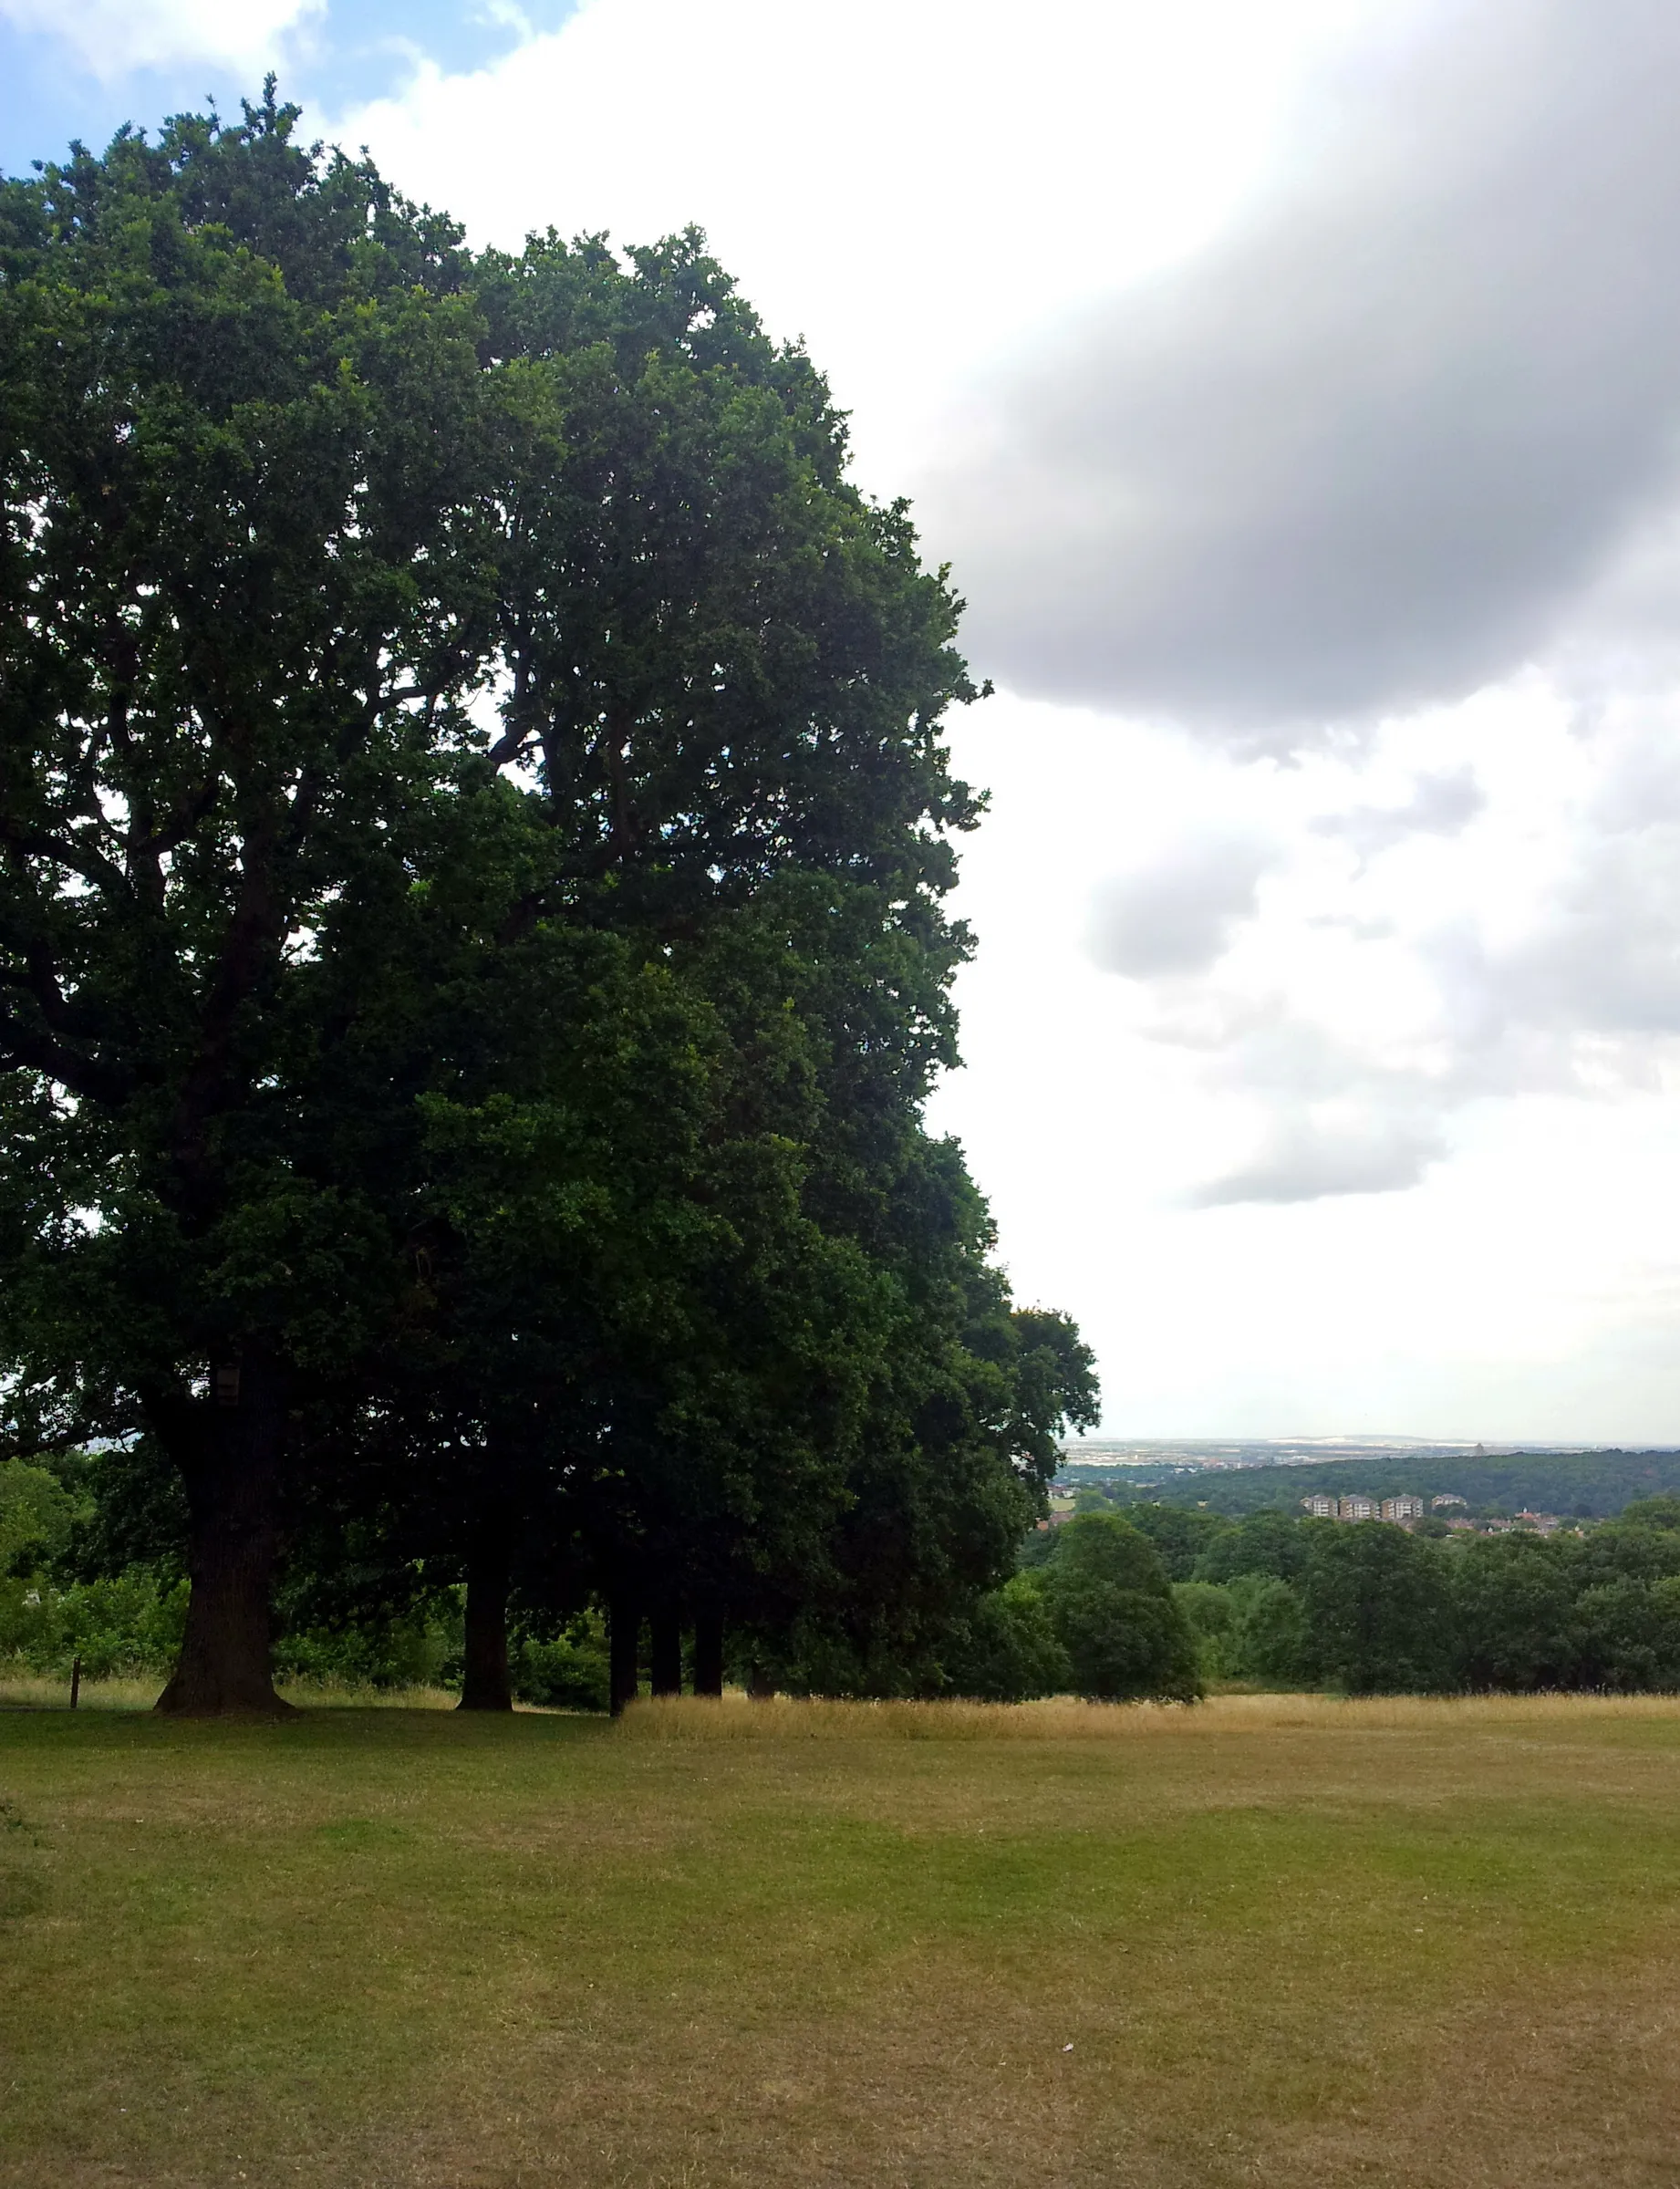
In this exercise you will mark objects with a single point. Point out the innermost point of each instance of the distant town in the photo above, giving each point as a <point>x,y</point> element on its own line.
<point>1405,1511</point>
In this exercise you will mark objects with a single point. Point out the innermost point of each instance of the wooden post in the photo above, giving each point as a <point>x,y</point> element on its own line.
<point>76,1682</point>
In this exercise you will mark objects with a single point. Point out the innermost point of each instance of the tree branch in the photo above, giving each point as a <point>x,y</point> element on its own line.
<point>22,1048</point>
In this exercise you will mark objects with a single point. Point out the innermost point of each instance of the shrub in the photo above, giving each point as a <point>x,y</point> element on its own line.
<point>1268,1630</point>
<point>1112,1607</point>
<point>130,1623</point>
<point>1212,1617</point>
<point>568,1673</point>
<point>413,1650</point>
<point>1007,1650</point>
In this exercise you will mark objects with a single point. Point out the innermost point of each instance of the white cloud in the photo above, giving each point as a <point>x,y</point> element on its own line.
<point>1366,1170</point>
<point>109,37</point>
<point>909,183</point>
<point>1177,913</point>
<point>1275,377</point>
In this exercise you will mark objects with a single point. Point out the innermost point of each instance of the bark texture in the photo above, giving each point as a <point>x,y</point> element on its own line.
<point>666,1635</point>
<point>709,1652</point>
<point>486,1684</point>
<point>624,1635</point>
<point>229,1449</point>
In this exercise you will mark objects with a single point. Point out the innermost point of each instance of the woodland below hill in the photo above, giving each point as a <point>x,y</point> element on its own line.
<point>1578,1485</point>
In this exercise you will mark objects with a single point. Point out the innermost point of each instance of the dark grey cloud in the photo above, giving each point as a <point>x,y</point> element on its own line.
<point>1368,450</point>
<point>1177,914</point>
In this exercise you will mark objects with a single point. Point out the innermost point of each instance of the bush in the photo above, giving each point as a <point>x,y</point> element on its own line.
<point>131,1623</point>
<point>568,1673</point>
<point>412,1650</point>
<point>1270,1638</point>
<point>1113,1610</point>
<point>1007,1650</point>
<point>1212,1617</point>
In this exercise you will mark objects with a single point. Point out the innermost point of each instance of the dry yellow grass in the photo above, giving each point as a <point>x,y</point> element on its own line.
<point>48,1691</point>
<point>1065,1718</point>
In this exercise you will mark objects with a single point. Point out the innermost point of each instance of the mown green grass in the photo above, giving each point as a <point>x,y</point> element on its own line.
<point>1406,1943</point>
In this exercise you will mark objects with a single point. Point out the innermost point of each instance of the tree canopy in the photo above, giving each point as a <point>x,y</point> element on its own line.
<point>475,831</point>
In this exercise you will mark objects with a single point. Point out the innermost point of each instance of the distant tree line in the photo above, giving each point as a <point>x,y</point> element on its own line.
<point>474,837</point>
<point>1578,1485</point>
<point>1375,1609</point>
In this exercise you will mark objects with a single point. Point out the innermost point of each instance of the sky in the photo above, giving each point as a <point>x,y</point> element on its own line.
<point>1294,388</point>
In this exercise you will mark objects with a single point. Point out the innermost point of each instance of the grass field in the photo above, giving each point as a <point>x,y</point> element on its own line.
<point>1272,1939</point>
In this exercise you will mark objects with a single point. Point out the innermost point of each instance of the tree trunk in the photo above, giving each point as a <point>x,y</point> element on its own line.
<point>484,1684</point>
<point>229,1449</point>
<point>624,1637</point>
<point>666,1626</point>
<point>709,1652</point>
<point>760,1684</point>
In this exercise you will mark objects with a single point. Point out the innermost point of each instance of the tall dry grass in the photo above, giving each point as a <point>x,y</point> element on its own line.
<point>1065,1717</point>
<point>48,1691</point>
<point>357,1695</point>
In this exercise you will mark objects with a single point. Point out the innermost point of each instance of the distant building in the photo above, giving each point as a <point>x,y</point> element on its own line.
<point>1544,1524</point>
<point>1465,1527</point>
<point>1407,1507</point>
<point>1321,1506</point>
<point>1356,1509</point>
<point>1448,1498</point>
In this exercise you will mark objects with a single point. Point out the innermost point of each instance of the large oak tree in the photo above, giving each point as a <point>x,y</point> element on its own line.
<point>381,633</point>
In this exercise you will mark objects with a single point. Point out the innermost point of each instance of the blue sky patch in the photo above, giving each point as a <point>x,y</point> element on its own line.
<point>353,51</point>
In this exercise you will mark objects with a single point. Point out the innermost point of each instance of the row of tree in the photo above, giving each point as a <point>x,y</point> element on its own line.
<point>1375,1609</point>
<point>474,832</point>
<point>1095,1610</point>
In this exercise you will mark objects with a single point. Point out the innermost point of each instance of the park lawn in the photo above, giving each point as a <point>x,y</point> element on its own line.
<point>1295,1943</point>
